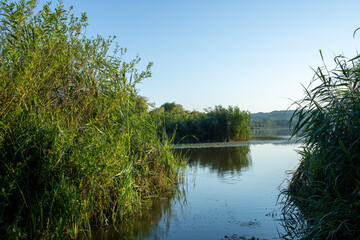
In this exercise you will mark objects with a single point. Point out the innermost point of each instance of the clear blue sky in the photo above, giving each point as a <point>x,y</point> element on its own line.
<point>253,54</point>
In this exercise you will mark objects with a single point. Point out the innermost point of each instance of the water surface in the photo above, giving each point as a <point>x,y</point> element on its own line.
<point>229,190</point>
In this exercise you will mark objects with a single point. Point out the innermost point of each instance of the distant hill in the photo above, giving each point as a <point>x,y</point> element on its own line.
<point>281,114</point>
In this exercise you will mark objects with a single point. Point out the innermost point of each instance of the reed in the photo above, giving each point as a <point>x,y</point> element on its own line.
<point>215,125</point>
<point>323,198</point>
<point>75,150</point>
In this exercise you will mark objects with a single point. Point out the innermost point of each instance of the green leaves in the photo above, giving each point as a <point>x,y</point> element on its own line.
<point>71,120</point>
<point>218,124</point>
<point>324,187</point>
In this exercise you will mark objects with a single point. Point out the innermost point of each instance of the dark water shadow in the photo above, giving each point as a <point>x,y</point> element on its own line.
<point>143,227</point>
<point>224,160</point>
<point>167,213</point>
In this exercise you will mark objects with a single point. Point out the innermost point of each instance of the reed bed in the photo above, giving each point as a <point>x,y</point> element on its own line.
<point>76,151</point>
<point>323,198</point>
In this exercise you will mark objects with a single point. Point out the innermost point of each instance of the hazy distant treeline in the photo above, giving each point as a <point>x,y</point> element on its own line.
<point>218,124</point>
<point>271,120</point>
<point>269,123</point>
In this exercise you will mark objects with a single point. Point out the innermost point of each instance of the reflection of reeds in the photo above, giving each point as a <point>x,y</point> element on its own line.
<point>145,225</point>
<point>323,198</point>
<point>221,160</point>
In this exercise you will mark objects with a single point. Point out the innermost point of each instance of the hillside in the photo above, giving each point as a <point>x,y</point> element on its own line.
<point>280,114</point>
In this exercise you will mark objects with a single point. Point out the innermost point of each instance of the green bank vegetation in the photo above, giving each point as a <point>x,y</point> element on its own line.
<point>274,119</point>
<point>77,147</point>
<point>213,125</point>
<point>272,125</point>
<point>269,123</point>
<point>323,198</point>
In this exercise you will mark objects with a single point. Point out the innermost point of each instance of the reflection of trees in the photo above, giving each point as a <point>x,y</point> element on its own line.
<point>144,226</point>
<point>221,160</point>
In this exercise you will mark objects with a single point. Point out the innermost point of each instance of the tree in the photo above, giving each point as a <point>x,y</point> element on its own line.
<point>173,108</point>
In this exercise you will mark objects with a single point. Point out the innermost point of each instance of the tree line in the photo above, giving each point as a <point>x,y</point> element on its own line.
<point>213,125</point>
<point>269,123</point>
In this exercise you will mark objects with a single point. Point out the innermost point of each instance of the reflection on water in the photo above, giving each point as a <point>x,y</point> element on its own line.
<point>229,190</point>
<point>226,160</point>
<point>143,227</point>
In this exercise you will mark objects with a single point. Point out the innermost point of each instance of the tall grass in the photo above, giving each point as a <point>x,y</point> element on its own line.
<point>74,149</point>
<point>215,125</point>
<point>323,198</point>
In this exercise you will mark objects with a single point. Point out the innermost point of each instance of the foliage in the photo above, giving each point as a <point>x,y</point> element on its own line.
<point>77,148</point>
<point>279,114</point>
<point>222,160</point>
<point>218,124</point>
<point>173,108</point>
<point>268,128</point>
<point>269,123</point>
<point>323,198</point>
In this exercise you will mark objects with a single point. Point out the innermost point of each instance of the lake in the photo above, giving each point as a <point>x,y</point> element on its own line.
<point>229,192</point>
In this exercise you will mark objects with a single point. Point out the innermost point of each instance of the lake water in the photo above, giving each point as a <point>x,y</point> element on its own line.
<point>227,191</point>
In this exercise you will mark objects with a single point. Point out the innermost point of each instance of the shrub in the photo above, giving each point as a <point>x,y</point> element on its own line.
<point>216,125</point>
<point>76,150</point>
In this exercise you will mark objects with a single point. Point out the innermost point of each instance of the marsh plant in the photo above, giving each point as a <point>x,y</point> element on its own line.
<point>77,149</point>
<point>323,198</point>
<point>214,125</point>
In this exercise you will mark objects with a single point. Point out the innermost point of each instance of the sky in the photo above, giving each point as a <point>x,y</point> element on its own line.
<point>254,54</point>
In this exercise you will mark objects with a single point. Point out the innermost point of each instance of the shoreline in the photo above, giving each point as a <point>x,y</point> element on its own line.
<point>255,141</point>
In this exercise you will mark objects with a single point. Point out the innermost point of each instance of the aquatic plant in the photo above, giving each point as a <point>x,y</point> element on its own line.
<point>323,198</point>
<point>215,125</point>
<point>77,148</point>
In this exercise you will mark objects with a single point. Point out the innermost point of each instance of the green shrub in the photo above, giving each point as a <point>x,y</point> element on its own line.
<point>215,125</point>
<point>77,148</point>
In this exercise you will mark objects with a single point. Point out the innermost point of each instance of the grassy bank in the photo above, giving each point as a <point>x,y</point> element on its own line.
<point>76,150</point>
<point>323,199</point>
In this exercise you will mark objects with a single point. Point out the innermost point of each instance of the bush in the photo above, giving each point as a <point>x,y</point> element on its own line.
<point>216,125</point>
<point>77,148</point>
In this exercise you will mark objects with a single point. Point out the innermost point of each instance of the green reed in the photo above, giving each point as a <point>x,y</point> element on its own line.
<point>76,151</point>
<point>323,198</point>
<point>215,125</point>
